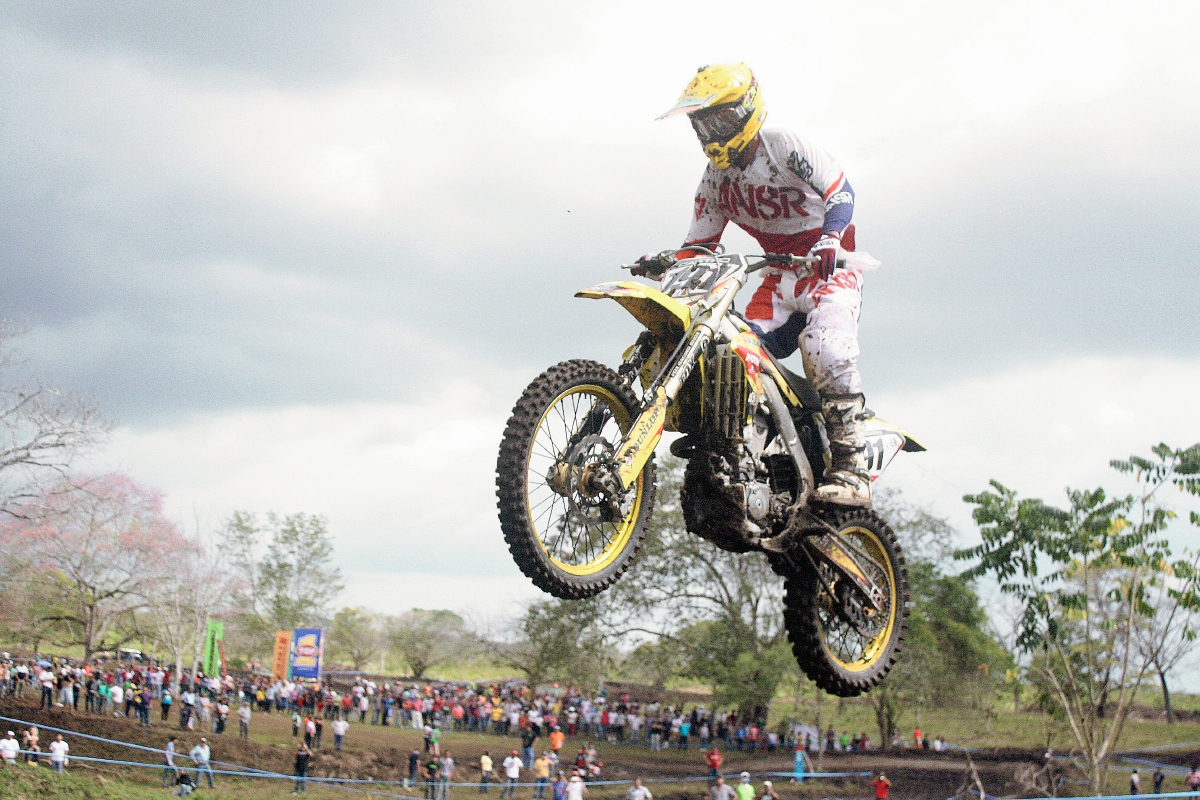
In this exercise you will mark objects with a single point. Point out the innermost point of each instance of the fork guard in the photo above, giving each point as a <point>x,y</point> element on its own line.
<point>819,542</point>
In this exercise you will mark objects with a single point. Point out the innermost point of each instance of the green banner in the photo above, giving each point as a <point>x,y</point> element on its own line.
<point>211,662</point>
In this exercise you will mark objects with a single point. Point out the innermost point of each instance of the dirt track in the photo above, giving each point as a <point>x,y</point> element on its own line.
<point>381,754</point>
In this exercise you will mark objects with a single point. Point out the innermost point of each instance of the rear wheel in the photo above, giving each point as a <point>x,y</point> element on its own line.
<point>572,539</point>
<point>843,646</point>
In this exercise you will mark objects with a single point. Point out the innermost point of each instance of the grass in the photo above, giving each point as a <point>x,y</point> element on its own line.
<point>971,728</point>
<point>41,783</point>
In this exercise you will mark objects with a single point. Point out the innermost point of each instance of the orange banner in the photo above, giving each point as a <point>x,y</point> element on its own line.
<point>279,666</point>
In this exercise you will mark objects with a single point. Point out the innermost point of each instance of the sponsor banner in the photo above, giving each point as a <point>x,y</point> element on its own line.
<point>306,651</point>
<point>279,664</point>
<point>211,661</point>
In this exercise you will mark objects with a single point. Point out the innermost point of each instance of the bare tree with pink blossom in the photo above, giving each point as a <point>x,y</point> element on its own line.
<point>195,590</point>
<point>99,547</point>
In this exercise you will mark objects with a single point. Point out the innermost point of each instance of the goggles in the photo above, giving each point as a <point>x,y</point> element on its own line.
<point>722,123</point>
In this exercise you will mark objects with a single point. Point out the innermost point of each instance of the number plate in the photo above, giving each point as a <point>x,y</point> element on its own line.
<point>696,277</point>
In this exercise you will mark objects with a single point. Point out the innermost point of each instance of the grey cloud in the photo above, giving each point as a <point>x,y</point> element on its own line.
<point>300,43</point>
<point>163,286</point>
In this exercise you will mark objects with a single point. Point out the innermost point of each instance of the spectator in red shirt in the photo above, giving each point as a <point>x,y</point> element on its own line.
<point>882,786</point>
<point>714,760</point>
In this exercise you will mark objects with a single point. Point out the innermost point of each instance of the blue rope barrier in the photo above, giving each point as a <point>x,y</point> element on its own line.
<point>130,745</point>
<point>371,781</point>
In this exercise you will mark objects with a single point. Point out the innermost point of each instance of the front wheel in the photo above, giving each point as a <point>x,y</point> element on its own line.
<point>843,646</point>
<point>570,538</point>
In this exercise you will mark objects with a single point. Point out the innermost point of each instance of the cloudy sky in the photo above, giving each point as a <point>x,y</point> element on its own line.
<point>307,254</point>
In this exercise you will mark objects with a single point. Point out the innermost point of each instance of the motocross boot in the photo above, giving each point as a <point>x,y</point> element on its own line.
<point>847,482</point>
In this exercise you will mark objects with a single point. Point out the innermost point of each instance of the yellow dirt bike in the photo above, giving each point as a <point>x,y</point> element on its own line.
<point>575,476</point>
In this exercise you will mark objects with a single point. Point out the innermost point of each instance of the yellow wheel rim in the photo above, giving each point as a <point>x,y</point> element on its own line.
<point>851,650</point>
<point>570,527</point>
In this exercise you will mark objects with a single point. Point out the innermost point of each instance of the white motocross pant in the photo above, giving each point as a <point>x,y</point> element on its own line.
<point>827,330</point>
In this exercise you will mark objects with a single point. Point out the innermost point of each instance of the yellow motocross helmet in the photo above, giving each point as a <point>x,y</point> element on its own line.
<point>726,110</point>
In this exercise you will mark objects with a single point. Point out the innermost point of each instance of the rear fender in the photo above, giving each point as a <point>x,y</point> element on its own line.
<point>883,441</point>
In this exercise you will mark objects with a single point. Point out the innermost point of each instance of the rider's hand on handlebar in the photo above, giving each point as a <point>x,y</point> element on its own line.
<point>651,265</point>
<point>825,249</point>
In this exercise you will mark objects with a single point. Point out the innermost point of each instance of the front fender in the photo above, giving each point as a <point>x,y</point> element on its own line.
<point>664,316</point>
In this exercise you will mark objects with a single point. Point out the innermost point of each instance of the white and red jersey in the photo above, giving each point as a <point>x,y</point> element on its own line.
<point>789,194</point>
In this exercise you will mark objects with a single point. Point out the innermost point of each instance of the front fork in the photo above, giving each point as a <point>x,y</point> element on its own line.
<point>638,445</point>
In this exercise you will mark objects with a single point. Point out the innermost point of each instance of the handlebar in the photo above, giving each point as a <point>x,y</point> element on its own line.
<point>788,260</point>
<point>655,265</point>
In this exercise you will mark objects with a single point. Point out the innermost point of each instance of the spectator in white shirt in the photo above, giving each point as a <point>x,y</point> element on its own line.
<point>9,748</point>
<point>575,788</point>
<point>512,771</point>
<point>340,726</point>
<point>169,769</point>
<point>58,753</point>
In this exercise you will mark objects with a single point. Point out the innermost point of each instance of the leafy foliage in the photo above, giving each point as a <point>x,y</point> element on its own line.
<point>557,639</point>
<point>722,611</point>
<point>951,656</point>
<point>285,582</point>
<point>426,639</point>
<point>1088,578</point>
<point>354,636</point>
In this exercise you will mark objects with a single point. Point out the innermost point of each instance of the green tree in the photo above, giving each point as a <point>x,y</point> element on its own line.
<point>655,662</point>
<point>950,657</point>
<point>557,639</point>
<point>1086,577</point>
<point>354,636</point>
<point>426,639</point>
<point>724,610</point>
<point>286,574</point>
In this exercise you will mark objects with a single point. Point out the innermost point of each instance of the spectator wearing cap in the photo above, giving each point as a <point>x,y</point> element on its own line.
<point>575,787</point>
<point>768,792</point>
<point>201,755</point>
<point>745,791</point>
<point>512,771</point>
<point>9,747</point>
<point>882,787</point>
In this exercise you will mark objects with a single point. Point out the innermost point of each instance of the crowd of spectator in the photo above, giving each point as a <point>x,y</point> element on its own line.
<point>511,709</point>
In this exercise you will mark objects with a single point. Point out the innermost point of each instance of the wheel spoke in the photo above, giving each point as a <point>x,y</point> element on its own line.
<point>564,525</point>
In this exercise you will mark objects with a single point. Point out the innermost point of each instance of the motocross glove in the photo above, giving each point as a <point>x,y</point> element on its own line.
<point>825,249</point>
<point>652,266</point>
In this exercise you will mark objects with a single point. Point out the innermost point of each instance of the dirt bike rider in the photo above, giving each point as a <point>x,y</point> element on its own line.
<point>793,198</point>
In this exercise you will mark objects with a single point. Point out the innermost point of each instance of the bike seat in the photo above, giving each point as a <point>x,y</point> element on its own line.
<point>801,386</point>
